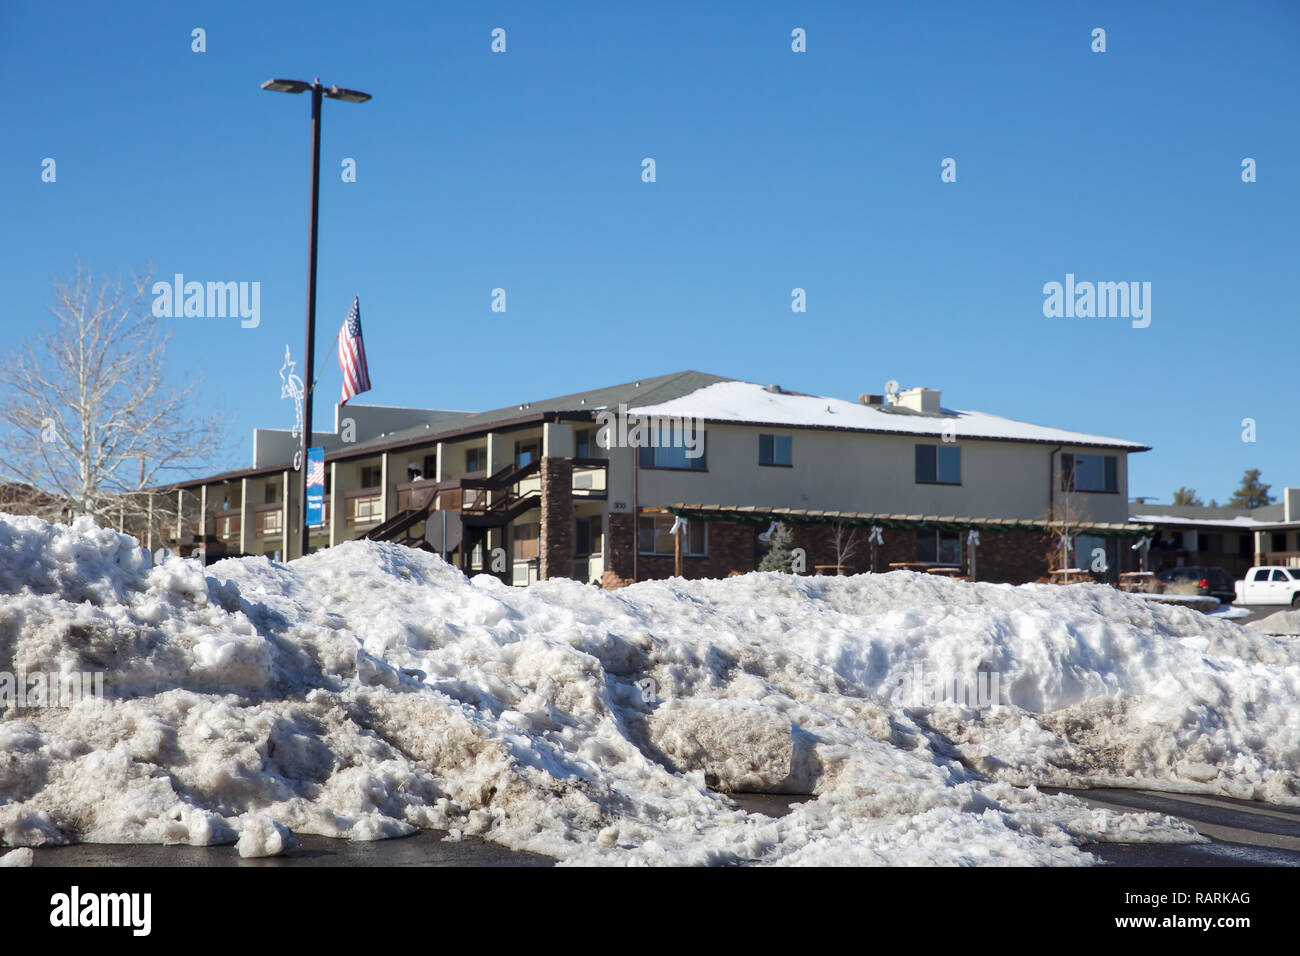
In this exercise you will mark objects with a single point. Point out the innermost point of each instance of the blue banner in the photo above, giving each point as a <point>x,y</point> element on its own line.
<point>315,487</point>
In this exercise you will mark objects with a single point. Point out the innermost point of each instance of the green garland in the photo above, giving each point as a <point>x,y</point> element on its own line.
<point>996,528</point>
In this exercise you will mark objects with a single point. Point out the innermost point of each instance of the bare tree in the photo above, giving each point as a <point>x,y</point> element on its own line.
<point>88,423</point>
<point>844,538</point>
<point>1064,521</point>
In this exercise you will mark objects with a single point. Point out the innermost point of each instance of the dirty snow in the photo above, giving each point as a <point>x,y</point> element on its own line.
<point>370,690</point>
<point>1283,622</point>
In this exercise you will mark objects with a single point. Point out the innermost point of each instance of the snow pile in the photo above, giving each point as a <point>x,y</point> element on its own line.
<point>23,856</point>
<point>370,690</point>
<point>1283,622</point>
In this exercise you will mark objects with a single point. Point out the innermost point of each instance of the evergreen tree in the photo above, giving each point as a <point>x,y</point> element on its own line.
<point>780,556</point>
<point>1253,493</point>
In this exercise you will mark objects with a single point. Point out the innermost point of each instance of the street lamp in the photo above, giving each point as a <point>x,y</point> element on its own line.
<point>309,378</point>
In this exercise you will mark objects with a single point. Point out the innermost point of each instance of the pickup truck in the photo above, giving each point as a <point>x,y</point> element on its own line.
<point>1270,585</point>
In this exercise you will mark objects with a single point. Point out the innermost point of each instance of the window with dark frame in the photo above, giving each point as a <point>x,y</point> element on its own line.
<point>371,476</point>
<point>938,547</point>
<point>475,459</point>
<point>654,536</point>
<point>1090,473</point>
<point>584,443</point>
<point>775,450</point>
<point>671,452</point>
<point>527,452</point>
<point>938,464</point>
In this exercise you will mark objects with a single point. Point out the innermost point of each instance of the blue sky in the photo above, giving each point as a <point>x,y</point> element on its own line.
<point>775,170</point>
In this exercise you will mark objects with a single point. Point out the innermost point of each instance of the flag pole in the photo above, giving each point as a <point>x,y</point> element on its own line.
<point>309,378</point>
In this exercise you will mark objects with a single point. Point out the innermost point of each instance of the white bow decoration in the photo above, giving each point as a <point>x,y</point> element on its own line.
<point>874,536</point>
<point>767,535</point>
<point>973,538</point>
<point>1143,542</point>
<point>679,525</point>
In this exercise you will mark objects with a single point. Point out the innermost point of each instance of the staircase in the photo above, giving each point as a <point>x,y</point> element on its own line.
<point>501,486</point>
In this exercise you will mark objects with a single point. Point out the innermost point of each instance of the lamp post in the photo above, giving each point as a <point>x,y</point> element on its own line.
<point>309,377</point>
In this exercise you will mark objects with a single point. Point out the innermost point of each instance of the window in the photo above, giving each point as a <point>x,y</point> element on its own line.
<point>672,450</point>
<point>774,450</point>
<point>371,476</point>
<point>1085,548</point>
<point>938,464</point>
<point>654,537</point>
<point>1212,543</point>
<point>588,537</point>
<point>1278,575</point>
<point>430,467</point>
<point>938,547</point>
<point>475,459</point>
<point>527,452</point>
<point>269,493</point>
<point>1089,473</point>
<point>526,537</point>
<point>1245,545</point>
<point>585,444</point>
<point>1279,540</point>
<point>1261,575</point>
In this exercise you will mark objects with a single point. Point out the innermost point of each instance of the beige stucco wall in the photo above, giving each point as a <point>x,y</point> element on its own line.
<point>868,472</point>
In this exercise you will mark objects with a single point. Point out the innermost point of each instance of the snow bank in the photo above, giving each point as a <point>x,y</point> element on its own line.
<point>1283,622</point>
<point>370,690</point>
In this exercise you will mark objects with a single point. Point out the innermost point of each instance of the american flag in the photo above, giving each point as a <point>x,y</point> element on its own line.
<point>315,472</point>
<point>352,354</point>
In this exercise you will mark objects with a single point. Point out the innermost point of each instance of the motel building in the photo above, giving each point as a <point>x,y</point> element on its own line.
<point>1235,539</point>
<point>530,491</point>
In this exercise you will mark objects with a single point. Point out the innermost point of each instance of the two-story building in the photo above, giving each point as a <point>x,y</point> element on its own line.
<point>595,482</point>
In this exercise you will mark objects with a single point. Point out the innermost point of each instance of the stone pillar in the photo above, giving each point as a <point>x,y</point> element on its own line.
<point>556,545</point>
<point>619,543</point>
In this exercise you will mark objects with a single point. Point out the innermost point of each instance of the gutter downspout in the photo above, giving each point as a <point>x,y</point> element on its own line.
<point>1051,489</point>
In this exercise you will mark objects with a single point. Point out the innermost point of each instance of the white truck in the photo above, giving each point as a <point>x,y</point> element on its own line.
<point>1270,585</point>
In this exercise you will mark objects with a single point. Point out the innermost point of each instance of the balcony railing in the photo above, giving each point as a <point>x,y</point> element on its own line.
<point>1288,559</point>
<point>228,525</point>
<point>268,519</point>
<point>364,507</point>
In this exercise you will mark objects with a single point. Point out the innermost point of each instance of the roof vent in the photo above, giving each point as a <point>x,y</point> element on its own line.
<point>774,389</point>
<point>925,400</point>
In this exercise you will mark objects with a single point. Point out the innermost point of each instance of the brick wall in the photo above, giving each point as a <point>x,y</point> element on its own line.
<point>1012,557</point>
<point>730,548</point>
<point>556,545</point>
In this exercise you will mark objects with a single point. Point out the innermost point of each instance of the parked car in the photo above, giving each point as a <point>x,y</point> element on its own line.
<point>1270,585</point>
<point>1213,581</point>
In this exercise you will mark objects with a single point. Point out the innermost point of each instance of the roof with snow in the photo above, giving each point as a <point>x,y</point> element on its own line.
<point>713,398</point>
<point>1172,520</point>
<point>747,403</point>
